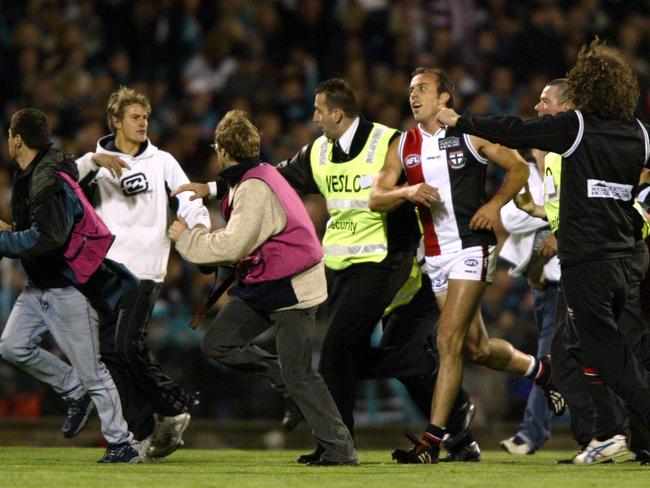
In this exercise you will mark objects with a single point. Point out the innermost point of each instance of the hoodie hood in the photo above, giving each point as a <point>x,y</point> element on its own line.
<point>106,145</point>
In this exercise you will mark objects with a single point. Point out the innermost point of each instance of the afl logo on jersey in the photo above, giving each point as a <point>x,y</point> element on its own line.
<point>133,184</point>
<point>456,159</point>
<point>471,262</point>
<point>412,160</point>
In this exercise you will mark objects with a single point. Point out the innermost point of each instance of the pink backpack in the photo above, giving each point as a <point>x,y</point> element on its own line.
<point>90,239</point>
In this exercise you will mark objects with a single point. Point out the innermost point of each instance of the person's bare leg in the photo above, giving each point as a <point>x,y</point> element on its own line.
<point>494,353</point>
<point>457,307</point>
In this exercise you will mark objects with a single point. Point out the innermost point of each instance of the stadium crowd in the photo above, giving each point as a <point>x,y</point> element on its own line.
<point>197,59</point>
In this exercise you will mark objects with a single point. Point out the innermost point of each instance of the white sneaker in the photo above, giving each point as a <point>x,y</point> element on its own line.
<point>167,435</point>
<point>143,449</point>
<point>517,447</point>
<point>601,451</point>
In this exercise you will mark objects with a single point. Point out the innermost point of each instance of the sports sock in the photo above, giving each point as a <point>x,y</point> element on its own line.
<point>540,372</point>
<point>433,435</point>
<point>533,368</point>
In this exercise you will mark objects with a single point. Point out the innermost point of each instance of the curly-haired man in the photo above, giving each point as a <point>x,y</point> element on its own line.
<point>604,148</point>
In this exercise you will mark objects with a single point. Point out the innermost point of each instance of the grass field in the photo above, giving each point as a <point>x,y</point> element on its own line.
<point>24,467</point>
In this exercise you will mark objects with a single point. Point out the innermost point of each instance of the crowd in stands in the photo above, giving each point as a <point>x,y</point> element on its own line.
<point>197,59</point>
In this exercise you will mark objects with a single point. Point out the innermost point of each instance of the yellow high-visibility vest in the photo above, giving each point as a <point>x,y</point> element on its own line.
<point>552,178</point>
<point>354,233</point>
<point>408,290</point>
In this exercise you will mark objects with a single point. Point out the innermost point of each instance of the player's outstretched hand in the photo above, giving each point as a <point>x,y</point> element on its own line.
<point>447,116</point>
<point>200,190</point>
<point>112,163</point>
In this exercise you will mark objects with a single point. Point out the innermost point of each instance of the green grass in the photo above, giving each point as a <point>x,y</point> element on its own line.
<point>24,467</point>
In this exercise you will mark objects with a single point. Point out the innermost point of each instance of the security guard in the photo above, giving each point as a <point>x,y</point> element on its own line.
<point>368,254</point>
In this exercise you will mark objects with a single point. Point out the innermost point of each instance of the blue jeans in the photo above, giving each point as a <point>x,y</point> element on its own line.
<point>73,323</point>
<point>534,429</point>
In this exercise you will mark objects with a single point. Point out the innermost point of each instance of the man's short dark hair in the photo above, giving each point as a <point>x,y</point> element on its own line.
<point>562,85</point>
<point>32,126</point>
<point>445,83</point>
<point>338,94</point>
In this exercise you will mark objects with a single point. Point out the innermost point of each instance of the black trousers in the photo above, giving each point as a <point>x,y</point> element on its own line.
<point>600,297</point>
<point>357,300</point>
<point>143,386</point>
<point>569,378</point>
<point>595,410</point>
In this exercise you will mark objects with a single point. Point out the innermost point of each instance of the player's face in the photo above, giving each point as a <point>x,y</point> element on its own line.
<point>133,125</point>
<point>328,120</point>
<point>548,102</point>
<point>424,98</point>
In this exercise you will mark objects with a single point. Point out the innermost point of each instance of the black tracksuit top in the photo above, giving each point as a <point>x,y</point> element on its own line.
<point>601,163</point>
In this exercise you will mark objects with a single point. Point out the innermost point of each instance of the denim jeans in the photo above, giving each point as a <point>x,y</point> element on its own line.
<point>73,323</point>
<point>534,429</point>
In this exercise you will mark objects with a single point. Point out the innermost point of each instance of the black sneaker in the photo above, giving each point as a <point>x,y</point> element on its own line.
<point>121,453</point>
<point>292,415</point>
<point>458,425</point>
<point>467,454</point>
<point>641,456</point>
<point>76,415</point>
<point>420,453</point>
<point>554,399</point>
<point>311,457</point>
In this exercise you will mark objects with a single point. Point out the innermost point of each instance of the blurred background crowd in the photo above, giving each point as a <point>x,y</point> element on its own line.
<point>196,59</point>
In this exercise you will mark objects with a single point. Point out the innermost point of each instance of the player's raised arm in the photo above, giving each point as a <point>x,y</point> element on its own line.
<point>516,176</point>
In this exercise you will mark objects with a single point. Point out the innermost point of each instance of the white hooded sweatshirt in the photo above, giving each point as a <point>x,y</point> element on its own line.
<point>136,208</point>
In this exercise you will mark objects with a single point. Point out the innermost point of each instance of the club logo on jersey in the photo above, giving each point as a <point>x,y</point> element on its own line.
<point>412,160</point>
<point>471,262</point>
<point>134,184</point>
<point>607,189</point>
<point>456,159</point>
<point>448,143</point>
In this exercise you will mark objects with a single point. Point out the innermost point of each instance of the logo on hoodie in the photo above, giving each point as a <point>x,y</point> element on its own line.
<point>134,184</point>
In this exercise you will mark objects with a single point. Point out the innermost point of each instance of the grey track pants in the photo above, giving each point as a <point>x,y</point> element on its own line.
<point>228,341</point>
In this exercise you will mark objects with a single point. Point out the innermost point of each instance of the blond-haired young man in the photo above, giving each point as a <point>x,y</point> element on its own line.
<point>131,180</point>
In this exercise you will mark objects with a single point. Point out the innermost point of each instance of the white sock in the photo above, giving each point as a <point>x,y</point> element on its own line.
<point>532,366</point>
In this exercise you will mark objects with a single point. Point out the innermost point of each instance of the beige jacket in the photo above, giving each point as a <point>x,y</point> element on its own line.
<point>257,215</point>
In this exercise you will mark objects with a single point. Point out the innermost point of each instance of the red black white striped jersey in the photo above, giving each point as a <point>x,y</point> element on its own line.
<point>447,161</point>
